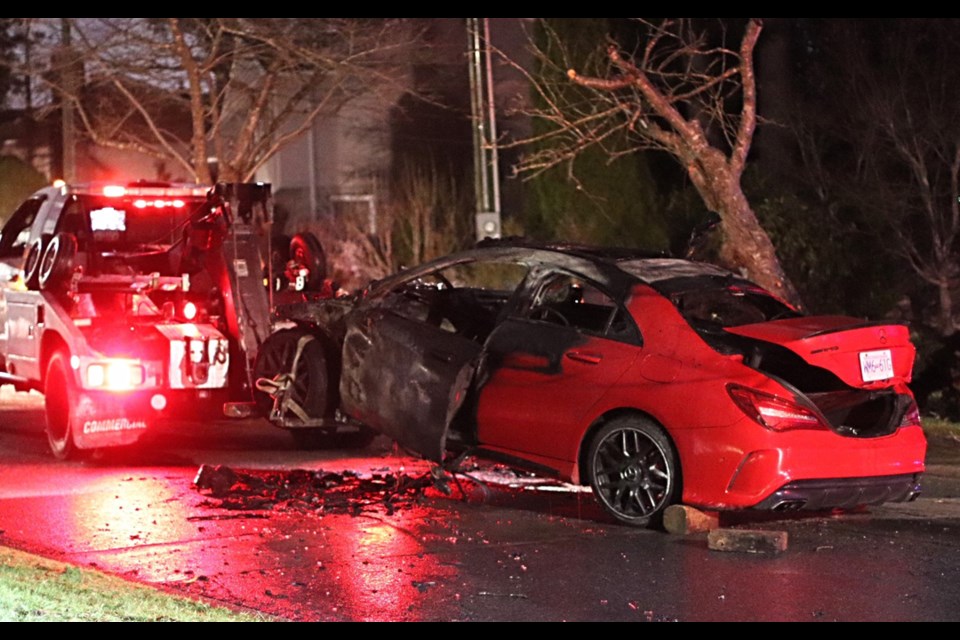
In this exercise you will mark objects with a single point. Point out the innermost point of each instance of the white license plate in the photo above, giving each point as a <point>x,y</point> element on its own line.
<point>876,365</point>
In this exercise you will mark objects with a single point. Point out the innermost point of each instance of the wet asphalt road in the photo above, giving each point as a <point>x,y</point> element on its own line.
<point>502,553</point>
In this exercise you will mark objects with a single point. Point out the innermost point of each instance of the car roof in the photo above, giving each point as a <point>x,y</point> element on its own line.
<point>618,268</point>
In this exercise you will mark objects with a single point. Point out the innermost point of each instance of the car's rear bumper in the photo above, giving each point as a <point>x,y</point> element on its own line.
<point>754,467</point>
<point>842,493</point>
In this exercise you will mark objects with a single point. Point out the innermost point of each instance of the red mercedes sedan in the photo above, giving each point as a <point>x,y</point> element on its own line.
<point>653,380</point>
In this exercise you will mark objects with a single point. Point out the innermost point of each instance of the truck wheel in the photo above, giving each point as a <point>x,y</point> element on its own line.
<point>56,265</point>
<point>60,396</point>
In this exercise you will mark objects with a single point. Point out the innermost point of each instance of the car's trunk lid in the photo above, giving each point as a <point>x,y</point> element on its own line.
<point>864,355</point>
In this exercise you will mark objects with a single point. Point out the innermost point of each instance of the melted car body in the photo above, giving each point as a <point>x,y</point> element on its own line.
<point>653,380</point>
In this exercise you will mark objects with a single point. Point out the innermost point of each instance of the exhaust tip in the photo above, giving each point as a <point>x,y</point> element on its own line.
<point>789,505</point>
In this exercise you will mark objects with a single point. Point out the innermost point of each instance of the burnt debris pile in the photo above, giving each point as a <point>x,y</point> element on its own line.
<point>317,491</point>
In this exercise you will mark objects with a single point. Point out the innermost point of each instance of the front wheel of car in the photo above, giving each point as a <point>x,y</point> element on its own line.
<point>634,470</point>
<point>296,360</point>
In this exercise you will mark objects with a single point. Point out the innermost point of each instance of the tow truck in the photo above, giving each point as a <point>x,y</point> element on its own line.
<point>128,304</point>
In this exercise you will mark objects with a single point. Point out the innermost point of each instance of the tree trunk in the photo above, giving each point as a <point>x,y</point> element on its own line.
<point>746,246</point>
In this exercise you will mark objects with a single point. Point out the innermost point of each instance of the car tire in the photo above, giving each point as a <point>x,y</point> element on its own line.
<point>31,264</point>
<point>60,399</point>
<point>634,470</point>
<point>58,261</point>
<point>310,388</point>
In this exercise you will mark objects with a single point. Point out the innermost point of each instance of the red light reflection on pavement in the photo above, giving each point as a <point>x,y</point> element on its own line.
<point>388,574</point>
<point>91,509</point>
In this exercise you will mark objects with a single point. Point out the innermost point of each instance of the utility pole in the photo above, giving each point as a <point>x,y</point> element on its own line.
<point>483,108</point>
<point>70,84</point>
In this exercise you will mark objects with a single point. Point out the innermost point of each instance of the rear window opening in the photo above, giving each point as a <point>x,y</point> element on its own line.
<point>129,224</point>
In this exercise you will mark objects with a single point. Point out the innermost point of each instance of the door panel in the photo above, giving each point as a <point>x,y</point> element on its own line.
<point>405,378</point>
<point>541,380</point>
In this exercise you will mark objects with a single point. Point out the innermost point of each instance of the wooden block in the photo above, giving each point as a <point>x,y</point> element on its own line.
<point>747,540</point>
<point>679,519</point>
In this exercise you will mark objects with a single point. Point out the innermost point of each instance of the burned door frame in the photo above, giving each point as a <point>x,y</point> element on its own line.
<point>406,372</point>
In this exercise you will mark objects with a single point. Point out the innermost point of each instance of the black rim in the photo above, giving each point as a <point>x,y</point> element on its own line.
<point>631,474</point>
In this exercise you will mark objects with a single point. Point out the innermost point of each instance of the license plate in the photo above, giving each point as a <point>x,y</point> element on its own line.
<point>876,365</point>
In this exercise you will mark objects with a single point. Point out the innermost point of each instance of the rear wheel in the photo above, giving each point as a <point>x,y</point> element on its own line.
<point>60,396</point>
<point>634,470</point>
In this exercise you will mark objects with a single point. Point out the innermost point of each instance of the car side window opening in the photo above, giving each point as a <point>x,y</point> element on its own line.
<point>568,300</point>
<point>465,299</point>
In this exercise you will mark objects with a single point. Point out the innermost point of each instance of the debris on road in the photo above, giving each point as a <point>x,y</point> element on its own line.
<point>682,520</point>
<point>317,491</point>
<point>747,540</point>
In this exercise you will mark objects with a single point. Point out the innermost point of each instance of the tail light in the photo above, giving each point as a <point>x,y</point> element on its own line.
<point>772,412</point>
<point>911,418</point>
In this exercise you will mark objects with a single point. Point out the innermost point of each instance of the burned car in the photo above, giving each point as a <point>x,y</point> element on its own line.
<point>653,380</point>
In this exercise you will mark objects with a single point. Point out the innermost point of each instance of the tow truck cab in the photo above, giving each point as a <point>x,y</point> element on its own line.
<point>128,304</point>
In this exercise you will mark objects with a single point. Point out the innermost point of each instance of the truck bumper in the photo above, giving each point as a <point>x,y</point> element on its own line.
<point>105,419</point>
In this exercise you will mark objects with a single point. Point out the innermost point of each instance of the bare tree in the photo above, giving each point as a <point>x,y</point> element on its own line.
<point>683,91</point>
<point>891,146</point>
<point>185,90</point>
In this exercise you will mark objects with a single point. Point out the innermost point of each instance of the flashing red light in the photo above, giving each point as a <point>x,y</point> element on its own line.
<point>158,401</point>
<point>114,191</point>
<point>159,204</point>
<point>189,311</point>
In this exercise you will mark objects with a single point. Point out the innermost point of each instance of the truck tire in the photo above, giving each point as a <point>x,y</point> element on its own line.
<point>310,386</point>
<point>60,398</point>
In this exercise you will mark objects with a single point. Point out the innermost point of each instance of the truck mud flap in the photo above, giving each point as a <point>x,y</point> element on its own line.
<point>106,420</point>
